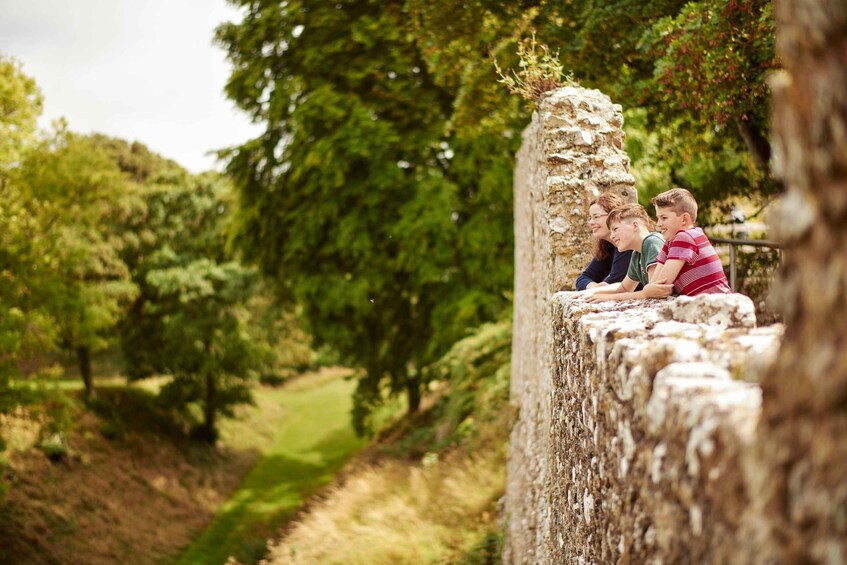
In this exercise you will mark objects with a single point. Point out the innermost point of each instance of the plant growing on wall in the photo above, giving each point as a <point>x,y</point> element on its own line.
<point>540,71</point>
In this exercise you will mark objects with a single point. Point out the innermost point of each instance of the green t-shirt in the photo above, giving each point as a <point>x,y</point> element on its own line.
<point>650,248</point>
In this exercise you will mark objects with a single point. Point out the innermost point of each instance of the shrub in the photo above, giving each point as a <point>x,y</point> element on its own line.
<point>540,71</point>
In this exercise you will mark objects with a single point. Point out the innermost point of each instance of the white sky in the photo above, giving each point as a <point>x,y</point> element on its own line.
<point>141,70</point>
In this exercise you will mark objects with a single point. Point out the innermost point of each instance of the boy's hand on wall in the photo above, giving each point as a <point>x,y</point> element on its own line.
<point>658,289</point>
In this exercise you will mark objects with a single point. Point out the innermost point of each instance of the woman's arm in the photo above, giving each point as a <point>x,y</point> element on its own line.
<point>595,272</point>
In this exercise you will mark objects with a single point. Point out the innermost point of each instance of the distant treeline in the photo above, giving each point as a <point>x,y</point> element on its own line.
<point>108,245</point>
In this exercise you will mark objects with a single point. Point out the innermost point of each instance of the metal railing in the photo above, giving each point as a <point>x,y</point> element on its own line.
<point>733,243</point>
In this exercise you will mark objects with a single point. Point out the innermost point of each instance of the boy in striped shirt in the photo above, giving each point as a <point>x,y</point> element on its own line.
<point>687,259</point>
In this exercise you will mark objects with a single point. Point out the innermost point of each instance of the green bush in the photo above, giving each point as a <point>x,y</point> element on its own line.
<point>486,552</point>
<point>476,370</point>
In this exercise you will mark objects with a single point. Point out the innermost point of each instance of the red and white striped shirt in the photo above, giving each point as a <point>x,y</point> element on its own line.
<point>702,272</point>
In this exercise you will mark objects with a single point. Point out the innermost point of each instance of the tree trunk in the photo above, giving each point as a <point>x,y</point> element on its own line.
<point>802,446</point>
<point>210,432</point>
<point>413,389</point>
<point>83,354</point>
<point>756,143</point>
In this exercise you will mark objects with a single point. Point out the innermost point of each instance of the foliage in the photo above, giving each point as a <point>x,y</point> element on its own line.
<point>206,346</point>
<point>83,201</point>
<point>136,160</point>
<point>488,551</point>
<point>712,58</point>
<point>540,71</point>
<point>284,345</point>
<point>697,69</point>
<point>20,107</point>
<point>198,315</point>
<point>756,273</point>
<point>24,328</point>
<point>391,230</point>
<point>475,373</point>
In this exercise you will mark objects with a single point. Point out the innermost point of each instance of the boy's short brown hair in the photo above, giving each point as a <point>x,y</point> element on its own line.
<point>626,211</point>
<point>678,200</point>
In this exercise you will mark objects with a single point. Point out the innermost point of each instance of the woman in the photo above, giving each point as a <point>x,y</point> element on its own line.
<point>608,265</point>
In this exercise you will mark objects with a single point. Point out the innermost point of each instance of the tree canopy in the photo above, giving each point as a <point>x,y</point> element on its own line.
<point>379,194</point>
<point>394,235</point>
<point>690,73</point>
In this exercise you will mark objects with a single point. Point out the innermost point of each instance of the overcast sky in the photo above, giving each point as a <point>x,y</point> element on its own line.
<point>142,70</point>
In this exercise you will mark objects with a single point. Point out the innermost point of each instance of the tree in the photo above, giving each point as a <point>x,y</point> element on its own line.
<point>24,327</point>
<point>393,234</point>
<point>697,69</point>
<point>20,107</point>
<point>83,201</point>
<point>207,348</point>
<point>192,317</point>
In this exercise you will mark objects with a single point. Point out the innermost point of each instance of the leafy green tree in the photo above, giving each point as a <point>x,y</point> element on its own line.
<point>83,201</point>
<point>20,107</point>
<point>392,231</point>
<point>185,215</point>
<point>195,317</point>
<point>24,327</point>
<point>207,348</point>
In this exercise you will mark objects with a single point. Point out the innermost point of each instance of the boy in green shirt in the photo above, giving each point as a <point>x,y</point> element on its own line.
<point>630,231</point>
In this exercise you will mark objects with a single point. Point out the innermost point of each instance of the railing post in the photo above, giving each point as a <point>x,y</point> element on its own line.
<point>732,268</point>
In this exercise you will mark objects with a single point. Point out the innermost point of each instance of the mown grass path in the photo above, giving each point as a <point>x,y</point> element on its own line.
<point>312,441</point>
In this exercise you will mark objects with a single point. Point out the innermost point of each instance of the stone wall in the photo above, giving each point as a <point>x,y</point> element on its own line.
<point>654,408</point>
<point>801,435</point>
<point>633,438</point>
<point>572,150</point>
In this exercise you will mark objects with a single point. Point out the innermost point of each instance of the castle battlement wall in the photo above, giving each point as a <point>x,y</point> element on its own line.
<point>636,419</point>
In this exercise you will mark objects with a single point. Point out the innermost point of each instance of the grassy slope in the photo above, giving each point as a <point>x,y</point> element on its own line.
<point>433,510</point>
<point>140,497</point>
<point>309,446</point>
<point>430,491</point>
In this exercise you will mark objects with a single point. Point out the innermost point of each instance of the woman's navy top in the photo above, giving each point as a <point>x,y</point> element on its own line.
<point>610,270</point>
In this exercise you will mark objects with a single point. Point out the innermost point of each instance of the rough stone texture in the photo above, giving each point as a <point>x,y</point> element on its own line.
<point>579,154</point>
<point>636,419</point>
<point>654,407</point>
<point>802,436</point>
<point>571,152</point>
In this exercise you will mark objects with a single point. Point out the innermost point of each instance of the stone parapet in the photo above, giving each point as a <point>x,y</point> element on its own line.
<point>571,152</point>
<point>654,408</point>
<point>635,419</point>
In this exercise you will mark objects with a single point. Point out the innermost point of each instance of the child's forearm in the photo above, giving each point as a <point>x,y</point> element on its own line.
<point>623,295</point>
<point>606,290</point>
<point>654,274</point>
<point>635,295</point>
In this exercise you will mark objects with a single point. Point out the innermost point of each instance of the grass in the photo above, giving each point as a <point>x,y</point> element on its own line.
<point>298,458</point>
<point>433,496</point>
<point>402,512</point>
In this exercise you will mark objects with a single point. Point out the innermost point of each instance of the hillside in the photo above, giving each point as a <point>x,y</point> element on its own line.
<point>429,490</point>
<point>133,488</point>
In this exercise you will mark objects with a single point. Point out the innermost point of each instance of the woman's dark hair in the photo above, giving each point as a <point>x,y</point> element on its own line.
<point>607,201</point>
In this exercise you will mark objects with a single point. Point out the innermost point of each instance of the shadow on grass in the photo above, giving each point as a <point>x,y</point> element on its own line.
<point>268,497</point>
<point>123,409</point>
<point>310,446</point>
